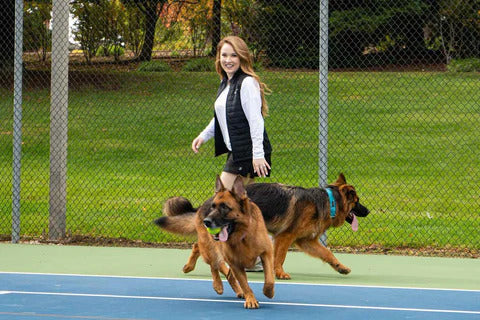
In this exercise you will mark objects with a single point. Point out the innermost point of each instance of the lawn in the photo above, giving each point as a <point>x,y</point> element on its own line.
<point>407,141</point>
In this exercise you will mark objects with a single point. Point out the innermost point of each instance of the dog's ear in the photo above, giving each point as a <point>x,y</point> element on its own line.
<point>219,185</point>
<point>349,193</point>
<point>238,187</point>
<point>341,179</point>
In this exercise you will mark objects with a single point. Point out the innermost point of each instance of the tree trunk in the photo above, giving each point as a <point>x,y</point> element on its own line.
<point>150,24</point>
<point>7,27</point>
<point>216,25</point>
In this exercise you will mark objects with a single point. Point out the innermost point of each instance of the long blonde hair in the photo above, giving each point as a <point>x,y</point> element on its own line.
<point>246,64</point>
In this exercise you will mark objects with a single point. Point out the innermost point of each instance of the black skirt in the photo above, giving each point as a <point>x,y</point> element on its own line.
<point>243,168</point>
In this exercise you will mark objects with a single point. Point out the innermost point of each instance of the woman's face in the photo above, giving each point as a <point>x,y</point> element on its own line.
<point>229,60</point>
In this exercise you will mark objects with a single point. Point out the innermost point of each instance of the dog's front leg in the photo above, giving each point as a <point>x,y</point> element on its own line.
<point>268,286</point>
<point>280,247</point>
<point>217,281</point>
<point>314,248</point>
<point>231,280</point>
<point>250,300</point>
<point>192,260</point>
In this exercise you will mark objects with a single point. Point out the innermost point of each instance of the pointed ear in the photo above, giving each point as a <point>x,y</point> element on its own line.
<point>350,193</point>
<point>238,187</point>
<point>341,179</point>
<point>218,184</point>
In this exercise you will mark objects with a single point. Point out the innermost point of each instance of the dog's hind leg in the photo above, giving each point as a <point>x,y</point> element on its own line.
<point>280,248</point>
<point>192,260</point>
<point>314,248</point>
<point>231,280</point>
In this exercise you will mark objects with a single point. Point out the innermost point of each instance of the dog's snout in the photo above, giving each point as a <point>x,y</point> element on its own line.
<point>360,211</point>
<point>207,222</point>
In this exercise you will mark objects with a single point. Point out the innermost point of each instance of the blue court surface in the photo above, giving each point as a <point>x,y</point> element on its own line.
<point>55,296</point>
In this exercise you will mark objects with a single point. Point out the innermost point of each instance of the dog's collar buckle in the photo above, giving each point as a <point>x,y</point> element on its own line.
<point>333,204</point>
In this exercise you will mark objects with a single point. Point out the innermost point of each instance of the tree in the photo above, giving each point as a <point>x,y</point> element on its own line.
<point>152,10</point>
<point>216,25</point>
<point>7,25</point>
<point>37,36</point>
<point>379,32</point>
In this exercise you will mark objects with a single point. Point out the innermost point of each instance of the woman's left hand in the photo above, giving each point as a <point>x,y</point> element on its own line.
<point>261,167</point>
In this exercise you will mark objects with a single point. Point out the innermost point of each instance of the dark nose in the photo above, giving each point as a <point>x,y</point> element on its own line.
<point>207,222</point>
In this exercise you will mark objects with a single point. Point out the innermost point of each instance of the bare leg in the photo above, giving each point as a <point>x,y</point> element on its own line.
<point>228,179</point>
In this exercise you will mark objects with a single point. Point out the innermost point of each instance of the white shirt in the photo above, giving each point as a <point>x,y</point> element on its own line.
<point>252,107</point>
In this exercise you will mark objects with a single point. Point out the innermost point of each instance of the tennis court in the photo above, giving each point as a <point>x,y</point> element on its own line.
<point>70,282</point>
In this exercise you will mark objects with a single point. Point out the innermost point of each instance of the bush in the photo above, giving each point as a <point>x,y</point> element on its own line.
<point>464,65</point>
<point>154,66</point>
<point>112,50</point>
<point>199,65</point>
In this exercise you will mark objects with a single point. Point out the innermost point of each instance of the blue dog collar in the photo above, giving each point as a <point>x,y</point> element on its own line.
<point>333,204</point>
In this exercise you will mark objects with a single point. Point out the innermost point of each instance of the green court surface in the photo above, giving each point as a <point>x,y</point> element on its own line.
<point>370,270</point>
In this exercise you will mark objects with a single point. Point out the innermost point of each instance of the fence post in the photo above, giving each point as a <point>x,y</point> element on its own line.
<point>323,100</point>
<point>17,121</point>
<point>323,94</point>
<point>58,120</point>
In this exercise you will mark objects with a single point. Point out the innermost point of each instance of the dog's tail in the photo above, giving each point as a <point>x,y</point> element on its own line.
<point>176,206</point>
<point>179,217</point>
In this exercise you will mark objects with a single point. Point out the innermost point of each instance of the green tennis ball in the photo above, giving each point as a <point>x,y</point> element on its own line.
<point>214,230</point>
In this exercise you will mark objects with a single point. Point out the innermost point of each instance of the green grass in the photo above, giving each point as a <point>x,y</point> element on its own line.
<point>407,141</point>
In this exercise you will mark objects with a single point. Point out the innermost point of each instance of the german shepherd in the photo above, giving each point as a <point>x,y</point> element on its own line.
<point>229,228</point>
<point>297,215</point>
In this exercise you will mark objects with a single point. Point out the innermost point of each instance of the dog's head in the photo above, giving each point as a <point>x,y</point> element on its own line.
<point>227,209</point>
<point>351,199</point>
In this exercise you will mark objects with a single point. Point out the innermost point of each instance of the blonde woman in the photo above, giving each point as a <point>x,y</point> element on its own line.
<point>238,123</point>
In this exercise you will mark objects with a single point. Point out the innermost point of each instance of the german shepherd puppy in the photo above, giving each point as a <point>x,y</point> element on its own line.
<point>229,228</point>
<point>297,215</point>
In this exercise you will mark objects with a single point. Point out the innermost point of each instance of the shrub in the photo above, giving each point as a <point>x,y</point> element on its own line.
<point>464,65</point>
<point>199,65</point>
<point>154,66</point>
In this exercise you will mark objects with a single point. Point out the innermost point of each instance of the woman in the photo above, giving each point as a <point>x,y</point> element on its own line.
<point>238,124</point>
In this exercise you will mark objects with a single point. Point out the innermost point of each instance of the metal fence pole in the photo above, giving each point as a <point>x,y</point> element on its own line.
<point>17,121</point>
<point>58,120</point>
<point>323,94</point>
<point>323,100</point>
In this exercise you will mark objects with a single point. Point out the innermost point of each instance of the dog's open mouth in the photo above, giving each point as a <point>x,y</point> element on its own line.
<point>224,232</point>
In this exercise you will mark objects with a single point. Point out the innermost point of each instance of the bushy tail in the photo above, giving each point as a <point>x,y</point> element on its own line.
<point>179,217</point>
<point>175,206</point>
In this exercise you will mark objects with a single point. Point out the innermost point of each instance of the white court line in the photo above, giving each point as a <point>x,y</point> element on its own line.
<point>241,301</point>
<point>209,280</point>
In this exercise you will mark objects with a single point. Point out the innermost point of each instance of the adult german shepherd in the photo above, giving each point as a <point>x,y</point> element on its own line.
<point>237,225</point>
<point>294,214</point>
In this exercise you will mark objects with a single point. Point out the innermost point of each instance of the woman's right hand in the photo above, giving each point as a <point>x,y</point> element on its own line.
<point>196,143</point>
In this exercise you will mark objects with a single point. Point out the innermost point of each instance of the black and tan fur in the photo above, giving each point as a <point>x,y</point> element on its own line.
<point>247,238</point>
<point>295,215</point>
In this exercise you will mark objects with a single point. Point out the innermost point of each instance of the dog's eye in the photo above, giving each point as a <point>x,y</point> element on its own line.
<point>224,208</point>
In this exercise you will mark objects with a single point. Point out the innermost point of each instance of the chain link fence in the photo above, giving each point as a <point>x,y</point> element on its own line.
<point>96,124</point>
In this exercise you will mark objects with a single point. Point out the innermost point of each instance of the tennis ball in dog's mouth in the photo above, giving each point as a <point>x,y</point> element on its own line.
<point>214,230</point>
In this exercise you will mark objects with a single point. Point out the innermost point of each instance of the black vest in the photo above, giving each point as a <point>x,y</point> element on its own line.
<point>237,123</point>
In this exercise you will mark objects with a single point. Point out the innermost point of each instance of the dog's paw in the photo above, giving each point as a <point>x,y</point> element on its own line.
<point>187,268</point>
<point>251,303</point>
<point>268,290</point>
<point>343,270</point>
<point>218,287</point>
<point>282,276</point>
<point>240,295</point>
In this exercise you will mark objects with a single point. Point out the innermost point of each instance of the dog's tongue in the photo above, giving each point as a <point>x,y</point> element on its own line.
<point>223,236</point>
<point>354,222</point>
